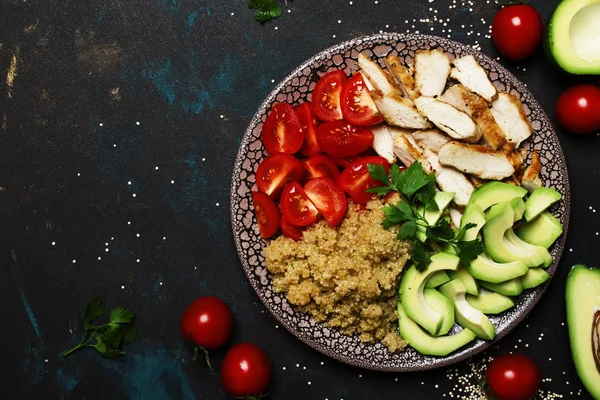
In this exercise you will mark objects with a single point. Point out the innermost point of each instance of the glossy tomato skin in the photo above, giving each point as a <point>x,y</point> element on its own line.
<point>308,120</point>
<point>578,109</point>
<point>282,131</point>
<point>358,107</point>
<point>513,377</point>
<point>275,171</point>
<point>267,214</point>
<point>291,231</point>
<point>342,139</point>
<point>326,96</point>
<point>355,178</point>
<point>517,31</point>
<point>296,207</point>
<point>319,165</point>
<point>207,322</point>
<point>328,198</point>
<point>246,371</point>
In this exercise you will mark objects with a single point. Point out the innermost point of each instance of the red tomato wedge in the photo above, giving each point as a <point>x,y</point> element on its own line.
<point>358,107</point>
<point>320,165</point>
<point>307,117</point>
<point>342,139</point>
<point>328,198</point>
<point>282,131</point>
<point>291,231</point>
<point>277,170</point>
<point>267,214</point>
<point>326,96</point>
<point>345,161</point>
<point>296,207</point>
<point>355,178</point>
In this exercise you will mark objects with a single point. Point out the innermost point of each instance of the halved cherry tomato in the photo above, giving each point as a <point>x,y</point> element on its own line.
<point>326,96</point>
<point>355,178</point>
<point>308,120</point>
<point>291,231</point>
<point>282,131</point>
<point>329,199</point>
<point>275,171</point>
<point>345,161</point>
<point>320,165</point>
<point>296,207</point>
<point>358,107</point>
<point>267,214</point>
<point>342,139</point>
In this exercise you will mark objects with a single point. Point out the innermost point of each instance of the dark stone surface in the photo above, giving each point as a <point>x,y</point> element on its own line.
<point>72,156</point>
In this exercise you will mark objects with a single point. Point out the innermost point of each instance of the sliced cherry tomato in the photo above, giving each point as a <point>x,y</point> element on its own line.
<point>578,109</point>
<point>267,214</point>
<point>282,131</point>
<point>246,372</point>
<point>326,96</point>
<point>307,117</point>
<point>517,31</point>
<point>513,377</point>
<point>345,161</point>
<point>275,171</point>
<point>355,178</point>
<point>291,231</point>
<point>296,207</point>
<point>342,139</point>
<point>320,165</point>
<point>358,107</point>
<point>207,322</point>
<point>329,199</point>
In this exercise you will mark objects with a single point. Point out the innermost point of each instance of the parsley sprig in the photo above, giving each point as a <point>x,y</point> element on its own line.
<point>417,190</point>
<point>107,338</point>
<point>265,10</point>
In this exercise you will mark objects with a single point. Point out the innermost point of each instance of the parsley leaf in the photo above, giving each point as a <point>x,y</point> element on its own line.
<point>468,251</point>
<point>107,338</point>
<point>265,10</point>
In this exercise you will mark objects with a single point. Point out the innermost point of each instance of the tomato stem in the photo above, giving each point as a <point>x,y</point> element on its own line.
<point>197,350</point>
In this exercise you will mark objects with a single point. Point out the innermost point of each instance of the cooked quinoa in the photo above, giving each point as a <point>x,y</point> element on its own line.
<point>345,277</point>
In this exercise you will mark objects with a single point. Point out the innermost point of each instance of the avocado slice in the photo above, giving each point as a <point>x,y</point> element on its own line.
<point>466,315</point>
<point>412,284</point>
<point>466,278</point>
<point>534,278</point>
<point>442,305</point>
<point>542,231</point>
<point>488,270</point>
<point>541,252</point>
<point>429,345</point>
<point>489,302</point>
<point>583,320</point>
<point>473,215</point>
<point>494,192</point>
<point>437,279</point>
<point>513,287</point>
<point>442,200</point>
<point>539,201</point>
<point>572,36</point>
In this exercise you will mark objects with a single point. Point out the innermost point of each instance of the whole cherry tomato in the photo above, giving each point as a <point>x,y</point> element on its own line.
<point>246,371</point>
<point>517,31</point>
<point>207,322</point>
<point>578,109</point>
<point>513,377</point>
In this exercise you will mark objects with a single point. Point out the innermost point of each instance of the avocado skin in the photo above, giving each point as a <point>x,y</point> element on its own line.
<point>582,300</point>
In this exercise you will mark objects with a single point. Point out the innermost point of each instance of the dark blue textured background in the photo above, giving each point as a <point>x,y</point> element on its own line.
<point>107,91</point>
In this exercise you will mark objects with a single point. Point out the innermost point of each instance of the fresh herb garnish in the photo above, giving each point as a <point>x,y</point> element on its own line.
<point>265,10</point>
<point>417,190</point>
<point>107,338</point>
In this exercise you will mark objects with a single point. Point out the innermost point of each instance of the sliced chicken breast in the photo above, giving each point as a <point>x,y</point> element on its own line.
<point>531,176</point>
<point>408,151</point>
<point>398,111</point>
<point>449,119</point>
<point>455,217</point>
<point>383,142</point>
<point>450,180</point>
<point>432,68</point>
<point>478,160</point>
<point>380,80</point>
<point>402,76</point>
<point>431,139</point>
<point>508,112</point>
<point>467,71</point>
<point>478,109</point>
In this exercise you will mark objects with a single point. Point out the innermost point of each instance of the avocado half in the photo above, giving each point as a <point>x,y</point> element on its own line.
<point>573,36</point>
<point>583,321</point>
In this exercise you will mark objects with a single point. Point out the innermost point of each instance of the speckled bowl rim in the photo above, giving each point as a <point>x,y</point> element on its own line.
<point>525,302</point>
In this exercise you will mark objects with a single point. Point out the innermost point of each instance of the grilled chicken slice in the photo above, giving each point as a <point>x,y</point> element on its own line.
<point>455,217</point>
<point>508,112</point>
<point>515,156</point>
<point>450,180</point>
<point>408,151</point>
<point>449,119</point>
<point>398,111</point>
<point>478,109</point>
<point>380,80</point>
<point>531,176</point>
<point>432,68</point>
<point>478,160</point>
<point>383,142</point>
<point>467,71</point>
<point>431,139</point>
<point>402,76</point>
